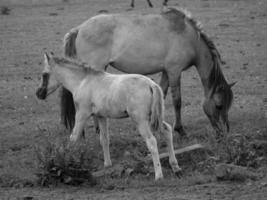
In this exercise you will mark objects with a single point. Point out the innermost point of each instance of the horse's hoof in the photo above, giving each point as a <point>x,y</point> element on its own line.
<point>178,174</point>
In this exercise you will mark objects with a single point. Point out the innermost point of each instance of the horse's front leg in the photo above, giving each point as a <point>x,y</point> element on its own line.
<point>104,139</point>
<point>164,83</point>
<point>175,84</point>
<point>80,119</point>
<point>96,125</point>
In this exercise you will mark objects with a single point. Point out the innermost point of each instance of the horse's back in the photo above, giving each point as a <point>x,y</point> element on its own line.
<point>133,43</point>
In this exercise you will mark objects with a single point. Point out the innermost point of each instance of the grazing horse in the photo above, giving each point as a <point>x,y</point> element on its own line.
<point>105,95</point>
<point>169,42</point>
<point>165,2</point>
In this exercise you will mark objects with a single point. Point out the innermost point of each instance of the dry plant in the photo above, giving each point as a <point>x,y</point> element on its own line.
<point>58,161</point>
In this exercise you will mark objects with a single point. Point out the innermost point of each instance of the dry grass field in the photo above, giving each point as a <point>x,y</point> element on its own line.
<point>28,28</point>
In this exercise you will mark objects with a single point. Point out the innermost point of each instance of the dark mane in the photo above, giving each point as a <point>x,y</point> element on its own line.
<point>216,78</point>
<point>77,65</point>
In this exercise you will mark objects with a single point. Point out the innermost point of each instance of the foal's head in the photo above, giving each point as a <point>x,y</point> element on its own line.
<point>217,106</point>
<point>49,83</point>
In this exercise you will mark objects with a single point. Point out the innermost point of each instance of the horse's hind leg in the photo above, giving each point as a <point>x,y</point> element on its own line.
<point>167,132</point>
<point>164,83</point>
<point>151,142</point>
<point>104,139</point>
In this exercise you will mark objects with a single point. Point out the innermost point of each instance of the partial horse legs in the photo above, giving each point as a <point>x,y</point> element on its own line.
<point>104,140</point>
<point>176,97</point>
<point>149,3</point>
<point>164,83</point>
<point>78,130</point>
<point>175,84</point>
<point>144,130</point>
<point>151,142</point>
<point>167,132</point>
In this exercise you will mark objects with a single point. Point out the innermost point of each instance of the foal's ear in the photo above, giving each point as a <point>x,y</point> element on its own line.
<point>232,84</point>
<point>46,58</point>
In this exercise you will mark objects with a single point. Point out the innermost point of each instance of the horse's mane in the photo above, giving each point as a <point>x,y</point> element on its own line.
<point>74,64</point>
<point>216,78</point>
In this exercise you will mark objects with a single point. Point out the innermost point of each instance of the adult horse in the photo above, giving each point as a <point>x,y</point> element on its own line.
<point>169,42</point>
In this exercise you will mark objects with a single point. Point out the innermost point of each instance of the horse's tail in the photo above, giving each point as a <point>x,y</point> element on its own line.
<point>157,108</point>
<point>67,103</point>
<point>67,109</point>
<point>69,46</point>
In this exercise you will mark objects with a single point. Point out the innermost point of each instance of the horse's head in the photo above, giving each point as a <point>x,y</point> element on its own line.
<point>48,84</point>
<point>217,106</point>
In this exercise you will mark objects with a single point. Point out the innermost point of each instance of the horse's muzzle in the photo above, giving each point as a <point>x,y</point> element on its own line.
<point>41,93</point>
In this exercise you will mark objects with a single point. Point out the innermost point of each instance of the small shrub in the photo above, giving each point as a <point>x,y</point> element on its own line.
<point>60,162</point>
<point>239,151</point>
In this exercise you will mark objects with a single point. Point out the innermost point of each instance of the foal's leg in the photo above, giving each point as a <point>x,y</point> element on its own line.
<point>80,119</point>
<point>104,140</point>
<point>151,142</point>
<point>164,83</point>
<point>175,84</point>
<point>167,132</point>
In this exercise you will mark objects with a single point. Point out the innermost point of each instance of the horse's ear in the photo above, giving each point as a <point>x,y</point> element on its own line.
<point>232,84</point>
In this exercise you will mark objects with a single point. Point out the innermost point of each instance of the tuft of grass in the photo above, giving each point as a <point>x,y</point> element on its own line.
<point>58,161</point>
<point>237,150</point>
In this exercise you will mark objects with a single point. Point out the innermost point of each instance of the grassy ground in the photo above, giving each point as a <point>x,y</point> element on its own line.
<point>238,28</point>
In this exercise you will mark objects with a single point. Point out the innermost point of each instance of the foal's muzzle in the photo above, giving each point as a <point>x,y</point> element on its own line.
<point>41,93</point>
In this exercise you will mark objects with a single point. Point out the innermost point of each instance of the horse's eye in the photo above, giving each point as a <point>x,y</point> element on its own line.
<point>220,107</point>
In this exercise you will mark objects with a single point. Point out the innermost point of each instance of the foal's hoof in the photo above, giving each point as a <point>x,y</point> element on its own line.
<point>178,173</point>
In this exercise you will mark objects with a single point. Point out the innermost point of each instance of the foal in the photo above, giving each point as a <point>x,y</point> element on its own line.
<point>105,95</point>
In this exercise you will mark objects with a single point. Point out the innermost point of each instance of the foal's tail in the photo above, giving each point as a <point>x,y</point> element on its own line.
<point>157,108</point>
<point>69,46</point>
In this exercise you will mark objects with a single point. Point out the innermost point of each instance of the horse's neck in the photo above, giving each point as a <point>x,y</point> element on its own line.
<point>69,78</point>
<point>204,66</point>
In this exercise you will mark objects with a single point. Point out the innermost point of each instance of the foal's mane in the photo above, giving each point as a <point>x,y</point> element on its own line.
<point>74,64</point>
